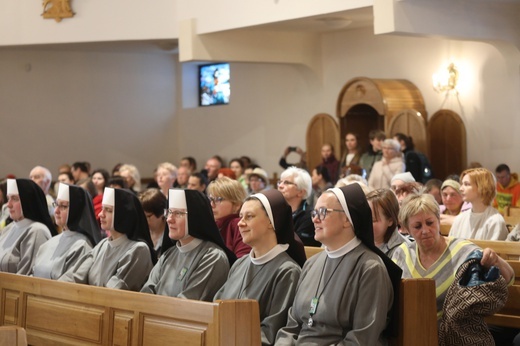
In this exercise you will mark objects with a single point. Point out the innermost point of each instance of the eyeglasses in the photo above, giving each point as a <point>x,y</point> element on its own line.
<point>284,182</point>
<point>322,213</point>
<point>216,200</point>
<point>61,207</point>
<point>176,213</point>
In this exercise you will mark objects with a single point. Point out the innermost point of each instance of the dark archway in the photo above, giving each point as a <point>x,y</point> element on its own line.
<point>360,119</point>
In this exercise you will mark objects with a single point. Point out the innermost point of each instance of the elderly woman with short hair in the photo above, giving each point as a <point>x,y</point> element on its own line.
<point>295,184</point>
<point>391,164</point>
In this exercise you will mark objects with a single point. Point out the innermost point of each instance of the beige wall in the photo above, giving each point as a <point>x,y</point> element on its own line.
<point>133,107</point>
<point>61,107</point>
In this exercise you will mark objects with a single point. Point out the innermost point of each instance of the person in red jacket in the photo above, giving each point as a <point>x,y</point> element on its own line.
<point>226,196</point>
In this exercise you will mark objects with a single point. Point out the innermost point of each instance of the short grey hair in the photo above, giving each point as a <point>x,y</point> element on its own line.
<point>390,142</point>
<point>302,179</point>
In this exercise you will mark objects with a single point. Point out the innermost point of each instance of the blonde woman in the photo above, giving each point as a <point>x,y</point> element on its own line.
<point>131,176</point>
<point>482,221</point>
<point>226,197</point>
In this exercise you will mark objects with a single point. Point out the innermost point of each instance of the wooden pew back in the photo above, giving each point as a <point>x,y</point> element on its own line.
<point>72,314</point>
<point>512,216</point>
<point>417,310</point>
<point>509,315</point>
<point>445,229</point>
<point>508,250</point>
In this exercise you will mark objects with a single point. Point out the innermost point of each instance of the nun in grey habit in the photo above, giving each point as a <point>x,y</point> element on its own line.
<point>31,227</point>
<point>197,264</point>
<point>346,293</point>
<point>74,213</point>
<point>124,259</point>
<point>271,271</point>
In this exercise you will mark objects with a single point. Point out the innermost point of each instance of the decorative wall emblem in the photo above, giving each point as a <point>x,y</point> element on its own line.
<point>360,91</point>
<point>57,9</point>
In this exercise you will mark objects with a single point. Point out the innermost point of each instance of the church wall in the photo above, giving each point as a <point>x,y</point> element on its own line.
<point>62,107</point>
<point>131,107</point>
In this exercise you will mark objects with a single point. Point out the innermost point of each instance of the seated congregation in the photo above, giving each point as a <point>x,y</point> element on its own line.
<point>225,235</point>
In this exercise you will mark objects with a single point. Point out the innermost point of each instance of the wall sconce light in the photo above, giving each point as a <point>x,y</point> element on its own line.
<point>446,79</point>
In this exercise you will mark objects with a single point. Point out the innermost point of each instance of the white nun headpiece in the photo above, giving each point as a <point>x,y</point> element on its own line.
<point>341,198</point>
<point>177,200</point>
<point>63,195</point>
<point>110,200</point>
<point>63,192</point>
<point>12,187</point>
<point>267,206</point>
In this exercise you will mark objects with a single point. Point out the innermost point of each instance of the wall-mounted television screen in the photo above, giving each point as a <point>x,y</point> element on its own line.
<point>214,88</point>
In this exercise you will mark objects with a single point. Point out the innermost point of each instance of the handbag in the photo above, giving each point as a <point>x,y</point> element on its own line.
<point>474,294</point>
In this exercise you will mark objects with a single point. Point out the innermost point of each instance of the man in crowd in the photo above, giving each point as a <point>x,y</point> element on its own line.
<point>508,188</point>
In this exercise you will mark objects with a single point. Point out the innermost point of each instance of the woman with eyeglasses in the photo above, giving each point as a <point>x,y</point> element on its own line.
<point>31,227</point>
<point>198,264</point>
<point>154,202</point>
<point>271,271</point>
<point>226,197</point>
<point>295,184</point>
<point>74,213</point>
<point>346,293</point>
<point>124,259</point>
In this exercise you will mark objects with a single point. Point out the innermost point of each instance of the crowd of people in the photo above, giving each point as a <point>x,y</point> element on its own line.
<point>209,234</point>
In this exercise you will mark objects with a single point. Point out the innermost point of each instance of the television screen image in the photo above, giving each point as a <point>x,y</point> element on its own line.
<point>214,87</point>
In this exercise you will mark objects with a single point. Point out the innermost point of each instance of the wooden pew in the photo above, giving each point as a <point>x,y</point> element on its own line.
<point>60,313</point>
<point>512,216</point>
<point>508,250</point>
<point>445,229</point>
<point>13,336</point>
<point>417,310</point>
<point>509,315</point>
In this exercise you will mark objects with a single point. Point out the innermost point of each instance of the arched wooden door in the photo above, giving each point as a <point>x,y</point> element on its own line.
<point>321,129</point>
<point>360,119</point>
<point>447,139</point>
<point>411,123</point>
<point>366,104</point>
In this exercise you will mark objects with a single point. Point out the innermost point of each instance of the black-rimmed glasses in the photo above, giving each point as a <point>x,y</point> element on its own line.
<point>175,213</point>
<point>215,200</point>
<point>321,213</point>
<point>62,207</point>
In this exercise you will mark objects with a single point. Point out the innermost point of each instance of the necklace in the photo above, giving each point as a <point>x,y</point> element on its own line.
<point>316,299</point>
<point>250,281</point>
